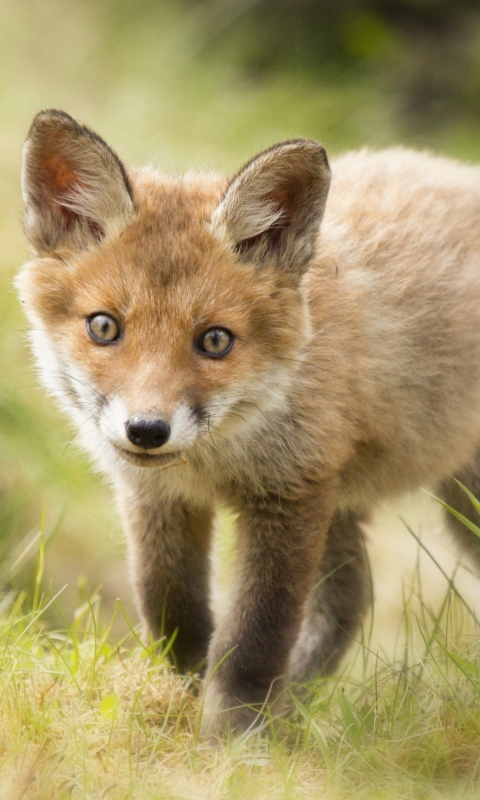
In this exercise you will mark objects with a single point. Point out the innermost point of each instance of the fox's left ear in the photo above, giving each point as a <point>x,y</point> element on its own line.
<point>273,207</point>
<point>75,188</point>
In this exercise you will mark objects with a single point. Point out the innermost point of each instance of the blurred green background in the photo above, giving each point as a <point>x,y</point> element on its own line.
<point>187,85</point>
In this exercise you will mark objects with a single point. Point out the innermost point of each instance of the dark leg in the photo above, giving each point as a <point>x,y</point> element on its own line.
<point>335,608</point>
<point>169,554</point>
<point>281,542</point>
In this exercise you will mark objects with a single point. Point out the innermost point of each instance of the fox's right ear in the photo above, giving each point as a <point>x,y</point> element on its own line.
<point>74,187</point>
<point>273,207</point>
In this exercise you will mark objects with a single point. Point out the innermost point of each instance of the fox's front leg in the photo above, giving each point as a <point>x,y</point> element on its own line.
<point>169,544</point>
<point>281,541</point>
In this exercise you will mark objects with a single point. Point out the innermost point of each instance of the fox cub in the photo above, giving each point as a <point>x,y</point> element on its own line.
<point>295,353</point>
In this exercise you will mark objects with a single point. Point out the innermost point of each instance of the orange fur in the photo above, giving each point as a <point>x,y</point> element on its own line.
<point>354,374</point>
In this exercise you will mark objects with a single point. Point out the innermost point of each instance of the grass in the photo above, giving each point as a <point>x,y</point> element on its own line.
<point>87,716</point>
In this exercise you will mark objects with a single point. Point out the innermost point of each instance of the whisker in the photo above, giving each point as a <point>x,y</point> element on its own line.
<point>250,403</point>
<point>75,433</point>
<point>307,364</point>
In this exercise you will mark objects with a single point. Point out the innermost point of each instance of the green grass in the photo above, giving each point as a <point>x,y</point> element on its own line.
<point>85,715</point>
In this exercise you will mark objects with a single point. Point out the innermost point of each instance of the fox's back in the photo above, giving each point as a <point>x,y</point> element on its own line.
<point>398,273</point>
<point>398,199</point>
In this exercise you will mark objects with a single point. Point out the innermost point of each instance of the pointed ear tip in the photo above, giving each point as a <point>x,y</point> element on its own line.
<point>316,149</point>
<point>308,147</point>
<point>51,117</point>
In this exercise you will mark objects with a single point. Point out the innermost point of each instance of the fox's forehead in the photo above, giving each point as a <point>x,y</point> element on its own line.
<point>168,267</point>
<point>170,227</point>
<point>167,246</point>
<point>195,193</point>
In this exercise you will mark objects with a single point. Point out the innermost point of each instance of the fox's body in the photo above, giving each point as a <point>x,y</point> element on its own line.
<point>351,373</point>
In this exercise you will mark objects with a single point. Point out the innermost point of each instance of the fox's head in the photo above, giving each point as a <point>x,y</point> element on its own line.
<point>166,311</point>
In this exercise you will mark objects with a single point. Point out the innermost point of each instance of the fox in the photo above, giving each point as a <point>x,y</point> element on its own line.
<point>297,342</point>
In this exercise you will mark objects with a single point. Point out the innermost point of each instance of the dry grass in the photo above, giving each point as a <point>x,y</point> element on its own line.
<point>85,717</point>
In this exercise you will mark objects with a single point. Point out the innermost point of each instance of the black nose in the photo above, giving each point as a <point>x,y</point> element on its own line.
<point>147,433</point>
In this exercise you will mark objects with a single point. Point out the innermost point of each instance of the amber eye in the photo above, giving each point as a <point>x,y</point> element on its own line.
<point>215,343</point>
<point>103,328</point>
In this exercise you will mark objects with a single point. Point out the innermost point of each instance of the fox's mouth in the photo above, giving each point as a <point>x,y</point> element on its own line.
<point>148,459</point>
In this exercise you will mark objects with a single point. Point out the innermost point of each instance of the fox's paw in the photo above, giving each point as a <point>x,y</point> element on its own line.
<point>224,716</point>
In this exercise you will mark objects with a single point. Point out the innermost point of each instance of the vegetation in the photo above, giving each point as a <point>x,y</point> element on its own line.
<point>85,716</point>
<point>86,711</point>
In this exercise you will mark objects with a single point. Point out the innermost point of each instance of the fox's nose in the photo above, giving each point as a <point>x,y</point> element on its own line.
<point>147,433</point>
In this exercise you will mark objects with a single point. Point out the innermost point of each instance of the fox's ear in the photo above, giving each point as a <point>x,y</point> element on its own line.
<point>75,188</point>
<point>274,206</point>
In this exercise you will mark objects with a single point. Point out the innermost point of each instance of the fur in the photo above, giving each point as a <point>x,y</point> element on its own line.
<point>354,375</point>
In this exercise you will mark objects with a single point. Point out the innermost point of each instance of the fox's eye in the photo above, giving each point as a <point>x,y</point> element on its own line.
<point>103,328</point>
<point>216,342</point>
